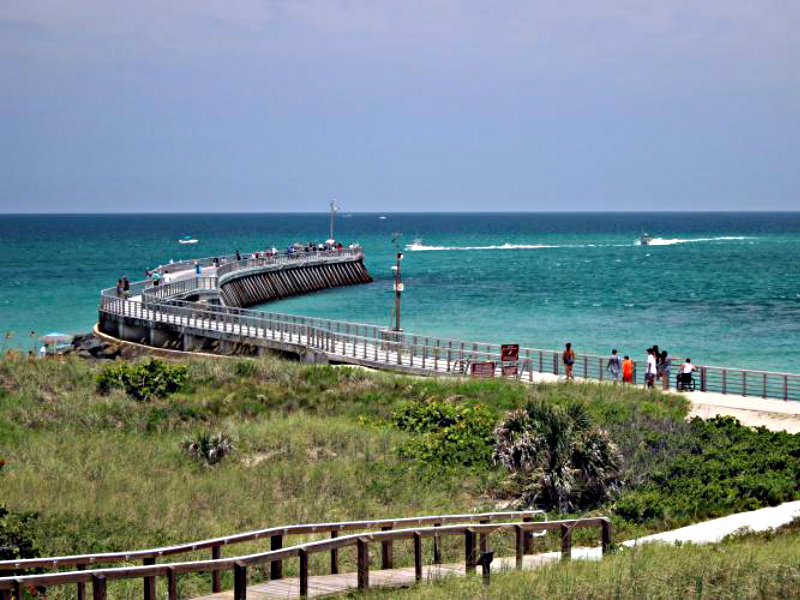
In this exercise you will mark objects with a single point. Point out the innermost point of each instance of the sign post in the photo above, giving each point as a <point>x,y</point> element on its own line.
<point>509,357</point>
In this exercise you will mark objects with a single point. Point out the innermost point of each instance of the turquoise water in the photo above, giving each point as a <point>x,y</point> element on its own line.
<point>723,288</point>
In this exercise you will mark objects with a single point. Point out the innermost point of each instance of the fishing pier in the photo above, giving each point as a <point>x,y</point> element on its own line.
<point>204,308</point>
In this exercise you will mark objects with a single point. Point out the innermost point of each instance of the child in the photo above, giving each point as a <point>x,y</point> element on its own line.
<point>627,370</point>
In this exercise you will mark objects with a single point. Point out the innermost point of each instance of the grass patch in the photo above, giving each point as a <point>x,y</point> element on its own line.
<point>742,567</point>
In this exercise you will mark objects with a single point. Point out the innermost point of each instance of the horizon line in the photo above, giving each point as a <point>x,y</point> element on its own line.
<point>411,212</point>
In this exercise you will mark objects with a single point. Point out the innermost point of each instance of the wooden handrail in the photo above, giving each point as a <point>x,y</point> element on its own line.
<point>300,529</point>
<point>239,562</point>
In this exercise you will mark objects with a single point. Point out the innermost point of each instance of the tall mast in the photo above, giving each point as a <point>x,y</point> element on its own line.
<point>334,208</point>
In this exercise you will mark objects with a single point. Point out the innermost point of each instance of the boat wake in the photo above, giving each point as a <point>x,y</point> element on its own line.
<point>673,241</point>
<point>418,246</point>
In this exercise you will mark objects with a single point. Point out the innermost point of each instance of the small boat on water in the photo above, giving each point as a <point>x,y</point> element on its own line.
<point>645,240</point>
<point>187,239</point>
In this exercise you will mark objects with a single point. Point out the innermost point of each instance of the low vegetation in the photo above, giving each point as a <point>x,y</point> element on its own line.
<point>144,380</point>
<point>152,453</point>
<point>558,459</point>
<point>747,567</point>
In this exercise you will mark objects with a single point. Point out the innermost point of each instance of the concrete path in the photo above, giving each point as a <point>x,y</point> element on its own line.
<point>775,415</point>
<point>714,531</point>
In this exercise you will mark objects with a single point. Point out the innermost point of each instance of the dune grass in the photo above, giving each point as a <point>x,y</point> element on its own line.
<point>742,567</point>
<point>106,472</point>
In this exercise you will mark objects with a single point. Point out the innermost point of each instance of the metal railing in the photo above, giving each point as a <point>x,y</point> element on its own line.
<point>366,343</point>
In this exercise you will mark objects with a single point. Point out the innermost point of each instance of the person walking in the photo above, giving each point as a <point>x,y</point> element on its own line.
<point>119,288</point>
<point>568,357</point>
<point>614,366</point>
<point>652,369</point>
<point>126,286</point>
<point>666,368</point>
<point>627,370</point>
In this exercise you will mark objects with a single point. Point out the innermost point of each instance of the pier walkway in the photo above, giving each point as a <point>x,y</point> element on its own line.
<point>195,313</point>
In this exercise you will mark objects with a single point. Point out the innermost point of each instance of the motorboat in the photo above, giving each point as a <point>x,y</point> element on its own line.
<point>187,239</point>
<point>645,240</point>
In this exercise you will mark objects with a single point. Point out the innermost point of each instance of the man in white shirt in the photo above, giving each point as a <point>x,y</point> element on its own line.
<point>650,375</point>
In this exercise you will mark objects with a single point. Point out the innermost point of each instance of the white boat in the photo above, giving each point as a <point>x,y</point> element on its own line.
<point>382,218</point>
<point>187,239</point>
<point>645,240</point>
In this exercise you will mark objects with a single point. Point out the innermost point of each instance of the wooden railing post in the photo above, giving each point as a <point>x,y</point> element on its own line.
<point>483,539</point>
<point>239,581</point>
<point>172,584</point>
<point>216,583</point>
<point>417,556</point>
<point>437,549</point>
<point>303,573</point>
<point>276,566</point>
<point>566,541</point>
<point>387,560</point>
<point>334,555</point>
<point>81,595</point>
<point>362,547</point>
<point>605,535</point>
<point>519,541</point>
<point>470,551</point>
<point>527,543</point>
<point>98,588</point>
<point>149,582</point>
<point>19,591</point>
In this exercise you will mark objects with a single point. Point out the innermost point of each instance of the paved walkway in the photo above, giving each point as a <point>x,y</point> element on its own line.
<point>775,415</point>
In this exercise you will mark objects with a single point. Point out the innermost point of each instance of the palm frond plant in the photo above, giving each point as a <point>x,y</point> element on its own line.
<point>556,458</point>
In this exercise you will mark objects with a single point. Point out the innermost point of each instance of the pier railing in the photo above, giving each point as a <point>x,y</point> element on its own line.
<point>366,343</point>
<point>287,259</point>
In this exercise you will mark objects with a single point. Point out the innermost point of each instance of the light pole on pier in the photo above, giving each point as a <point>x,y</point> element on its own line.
<point>398,282</point>
<point>334,208</point>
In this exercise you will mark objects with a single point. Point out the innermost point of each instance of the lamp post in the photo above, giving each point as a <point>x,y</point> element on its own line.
<point>398,290</point>
<point>398,280</point>
<point>334,208</point>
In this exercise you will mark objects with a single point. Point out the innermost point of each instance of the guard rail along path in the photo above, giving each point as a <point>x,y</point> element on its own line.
<point>208,312</point>
<point>475,529</point>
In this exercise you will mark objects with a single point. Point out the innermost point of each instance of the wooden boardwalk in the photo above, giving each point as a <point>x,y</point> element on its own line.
<point>326,585</point>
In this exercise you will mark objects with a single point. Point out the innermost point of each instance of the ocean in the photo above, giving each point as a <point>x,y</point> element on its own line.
<point>723,288</point>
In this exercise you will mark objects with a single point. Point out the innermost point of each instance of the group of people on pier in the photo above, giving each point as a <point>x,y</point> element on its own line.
<point>659,366</point>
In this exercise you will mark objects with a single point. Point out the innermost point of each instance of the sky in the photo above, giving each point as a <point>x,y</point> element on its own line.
<point>440,105</point>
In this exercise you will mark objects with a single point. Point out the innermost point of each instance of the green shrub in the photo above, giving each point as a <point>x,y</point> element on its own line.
<point>448,432</point>
<point>556,457</point>
<point>245,368</point>
<point>728,468</point>
<point>143,381</point>
<point>17,538</point>
<point>209,448</point>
